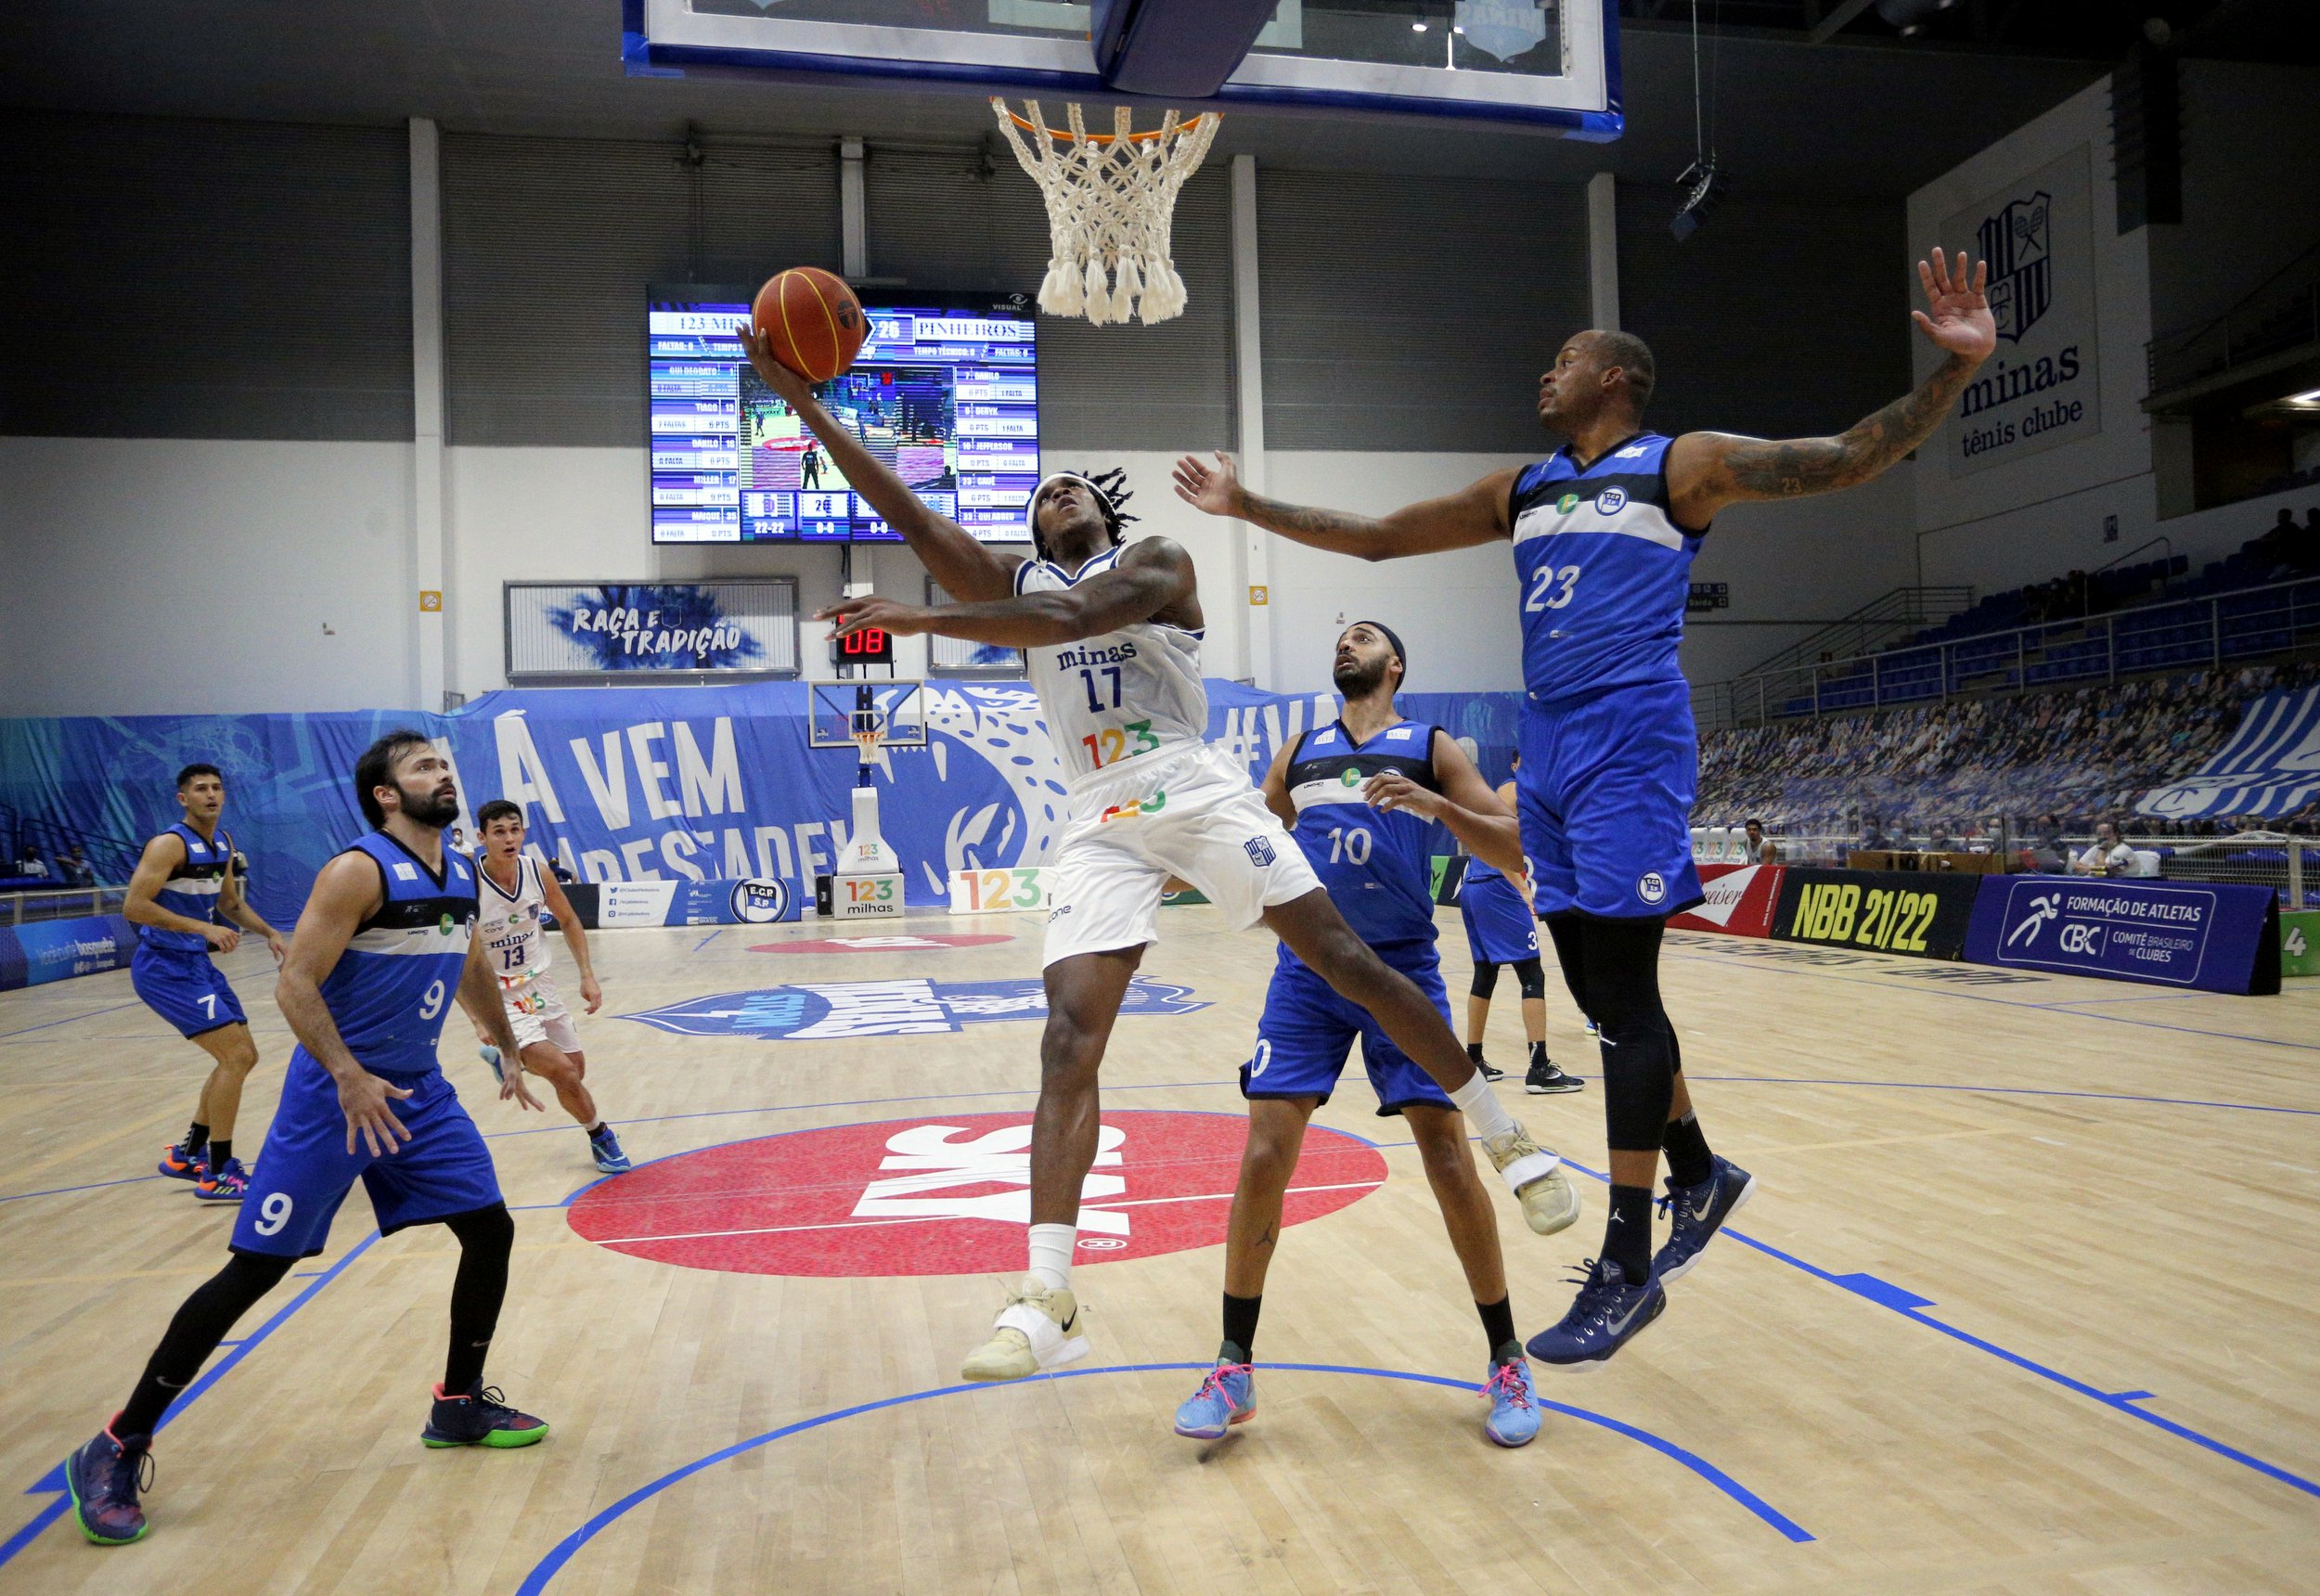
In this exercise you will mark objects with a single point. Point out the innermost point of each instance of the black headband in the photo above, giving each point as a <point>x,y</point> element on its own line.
<point>1392,641</point>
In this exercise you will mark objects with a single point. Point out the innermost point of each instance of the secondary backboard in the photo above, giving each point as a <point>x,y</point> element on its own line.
<point>1550,64</point>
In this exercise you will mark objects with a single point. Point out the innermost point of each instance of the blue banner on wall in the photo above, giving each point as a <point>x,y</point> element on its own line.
<point>57,949</point>
<point>689,784</point>
<point>565,629</point>
<point>2206,936</point>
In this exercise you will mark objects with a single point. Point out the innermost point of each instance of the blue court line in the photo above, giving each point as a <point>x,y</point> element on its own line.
<point>562,1552</point>
<point>68,1020</point>
<point>54,1480</point>
<point>2153,998</point>
<point>2003,1091</point>
<point>708,939</point>
<point>60,1191</point>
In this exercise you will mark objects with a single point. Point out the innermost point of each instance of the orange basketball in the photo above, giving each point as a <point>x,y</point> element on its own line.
<point>813,320</point>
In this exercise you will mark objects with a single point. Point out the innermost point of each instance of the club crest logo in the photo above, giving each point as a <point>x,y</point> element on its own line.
<point>1651,887</point>
<point>761,901</point>
<point>2018,244</point>
<point>1611,501</point>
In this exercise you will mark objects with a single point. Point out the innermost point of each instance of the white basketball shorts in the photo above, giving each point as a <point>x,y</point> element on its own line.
<point>1188,812</point>
<point>537,1014</point>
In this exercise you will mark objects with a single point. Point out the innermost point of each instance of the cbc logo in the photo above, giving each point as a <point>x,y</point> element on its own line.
<point>760,901</point>
<point>2080,938</point>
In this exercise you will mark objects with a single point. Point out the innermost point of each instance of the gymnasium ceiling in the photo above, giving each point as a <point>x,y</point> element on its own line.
<point>1861,113</point>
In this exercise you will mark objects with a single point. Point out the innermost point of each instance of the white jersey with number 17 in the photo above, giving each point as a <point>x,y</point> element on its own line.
<point>1120,696</point>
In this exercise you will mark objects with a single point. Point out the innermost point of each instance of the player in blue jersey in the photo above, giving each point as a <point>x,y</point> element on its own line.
<point>385,945</point>
<point>1603,533</point>
<point>185,898</point>
<point>1362,798</point>
<point>1495,911</point>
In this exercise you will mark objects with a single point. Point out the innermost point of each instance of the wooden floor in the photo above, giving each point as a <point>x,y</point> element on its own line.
<point>2026,1302</point>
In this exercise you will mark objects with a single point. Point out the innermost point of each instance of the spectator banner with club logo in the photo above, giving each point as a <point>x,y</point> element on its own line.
<point>2270,768</point>
<point>1922,913</point>
<point>1741,901</point>
<point>2217,938</point>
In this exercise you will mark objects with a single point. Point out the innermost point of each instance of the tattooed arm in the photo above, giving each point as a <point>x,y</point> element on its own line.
<point>1708,470</point>
<point>1475,514</point>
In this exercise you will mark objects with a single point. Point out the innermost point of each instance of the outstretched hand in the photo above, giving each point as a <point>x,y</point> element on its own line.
<point>795,390</point>
<point>1957,311</point>
<point>871,613</point>
<point>1209,487</point>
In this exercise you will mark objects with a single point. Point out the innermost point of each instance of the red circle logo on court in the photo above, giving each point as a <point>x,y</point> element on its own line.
<point>948,1194</point>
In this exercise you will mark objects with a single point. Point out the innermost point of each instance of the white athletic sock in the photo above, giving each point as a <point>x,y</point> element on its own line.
<point>1051,1254</point>
<point>1482,1108</point>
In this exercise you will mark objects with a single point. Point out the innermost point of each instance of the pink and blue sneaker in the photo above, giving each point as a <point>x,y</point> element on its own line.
<point>227,1183</point>
<point>1226,1396</point>
<point>104,1478</point>
<point>1513,1419</point>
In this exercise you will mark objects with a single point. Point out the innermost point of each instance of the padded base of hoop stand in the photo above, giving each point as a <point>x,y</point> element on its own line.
<point>1175,49</point>
<point>859,898</point>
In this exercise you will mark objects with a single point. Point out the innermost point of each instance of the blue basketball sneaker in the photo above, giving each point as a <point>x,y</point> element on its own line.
<point>605,1146</point>
<point>1226,1396</point>
<point>1607,1314</point>
<point>1697,1214</point>
<point>1513,1419</point>
<point>104,1478</point>
<point>226,1183</point>
<point>179,1165</point>
<point>490,1055</point>
<point>478,1418</point>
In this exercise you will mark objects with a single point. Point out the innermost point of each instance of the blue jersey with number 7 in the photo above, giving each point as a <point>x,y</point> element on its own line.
<point>1604,570</point>
<point>392,988</point>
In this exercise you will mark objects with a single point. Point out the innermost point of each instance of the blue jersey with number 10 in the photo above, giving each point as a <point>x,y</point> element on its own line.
<point>1605,571</point>
<point>392,988</point>
<point>1377,864</point>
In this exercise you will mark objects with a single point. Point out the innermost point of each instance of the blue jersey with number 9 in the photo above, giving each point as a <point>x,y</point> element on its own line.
<point>393,987</point>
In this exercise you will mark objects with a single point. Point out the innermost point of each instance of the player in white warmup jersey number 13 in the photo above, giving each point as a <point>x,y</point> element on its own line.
<point>1110,633</point>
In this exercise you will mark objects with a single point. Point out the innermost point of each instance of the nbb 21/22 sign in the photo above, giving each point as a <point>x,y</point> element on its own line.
<point>1922,913</point>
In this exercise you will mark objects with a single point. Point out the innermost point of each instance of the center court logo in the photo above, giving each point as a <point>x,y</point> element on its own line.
<point>947,1195</point>
<point>825,1010</point>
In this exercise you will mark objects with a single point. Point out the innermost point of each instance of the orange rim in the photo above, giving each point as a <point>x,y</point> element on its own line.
<point>1064,135</point>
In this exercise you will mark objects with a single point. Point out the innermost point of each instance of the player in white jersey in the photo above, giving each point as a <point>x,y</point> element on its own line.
<point>515,889</point>
<point>1111,635</point>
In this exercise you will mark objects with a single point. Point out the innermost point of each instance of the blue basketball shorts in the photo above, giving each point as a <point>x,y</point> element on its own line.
<point>1308,1031</point>
<point>1498,927</point>
<point>1604,794</point>
<point>305,1171</point>
<point>186,989</point>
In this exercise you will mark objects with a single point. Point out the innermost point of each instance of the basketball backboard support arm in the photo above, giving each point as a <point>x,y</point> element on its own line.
<point>720,37</point>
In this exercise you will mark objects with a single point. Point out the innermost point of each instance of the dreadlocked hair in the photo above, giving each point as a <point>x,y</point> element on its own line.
<point>1111,494</point>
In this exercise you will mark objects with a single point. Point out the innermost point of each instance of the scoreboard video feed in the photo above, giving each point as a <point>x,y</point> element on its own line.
<point>944,394</point>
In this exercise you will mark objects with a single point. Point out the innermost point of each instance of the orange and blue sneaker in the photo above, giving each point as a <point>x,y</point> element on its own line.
<point>1226,1396</point>
<point>1513,1419</point>
<point>104,1478</point>
<point>180,1164</point>
<point>480,1418</point>
<point>227,1183</point>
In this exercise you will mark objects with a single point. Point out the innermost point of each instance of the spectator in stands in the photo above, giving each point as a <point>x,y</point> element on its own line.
<point>1872,837</point>
<point>1938,839</point>
<point>2047,849</point>
<point>1762,848</point>
<point>2109,856</point>
<point>563,876</point>
<point>29,862</point>
<point>74,869</point>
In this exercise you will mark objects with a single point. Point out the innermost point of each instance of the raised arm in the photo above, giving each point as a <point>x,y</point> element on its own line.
<point>1475,514</point>
<point>1153,574</point>
<point>1708,470</point>
<point>162,855</point>
<point>963,566</point>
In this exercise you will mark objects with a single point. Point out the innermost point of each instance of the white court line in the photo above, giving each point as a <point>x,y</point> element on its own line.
<point>922,1218</point>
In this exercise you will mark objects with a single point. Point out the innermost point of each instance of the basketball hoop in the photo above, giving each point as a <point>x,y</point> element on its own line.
<point>1109,201</point>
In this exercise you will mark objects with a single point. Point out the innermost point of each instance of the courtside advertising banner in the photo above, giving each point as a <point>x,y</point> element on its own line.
<point>1741,900</point>
<point>2214,936</point>
<point>1923,913</point>
<point>57,949</point>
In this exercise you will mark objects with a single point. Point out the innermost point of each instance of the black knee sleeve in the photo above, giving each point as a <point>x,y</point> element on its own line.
<point>486,1238</point>
<point>1486,980</point>
<point>1564,930</point>
<point>1623,980</point>
<point>1533,979</point>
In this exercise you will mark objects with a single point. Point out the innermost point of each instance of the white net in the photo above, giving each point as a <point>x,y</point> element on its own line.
<point>1111,200</point>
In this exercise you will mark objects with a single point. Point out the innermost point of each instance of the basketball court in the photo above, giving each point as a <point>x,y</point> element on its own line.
<point>2024,1301</point>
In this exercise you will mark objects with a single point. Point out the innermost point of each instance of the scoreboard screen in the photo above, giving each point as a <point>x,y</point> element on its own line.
<point>945,393</point>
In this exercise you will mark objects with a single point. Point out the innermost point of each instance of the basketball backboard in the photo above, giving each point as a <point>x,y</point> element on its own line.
<point>1549,64</point>
<point>840,712</point>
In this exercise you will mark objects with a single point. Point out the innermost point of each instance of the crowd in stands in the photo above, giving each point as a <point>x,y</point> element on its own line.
<point>1943,770</point>
<point>27,865</point>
